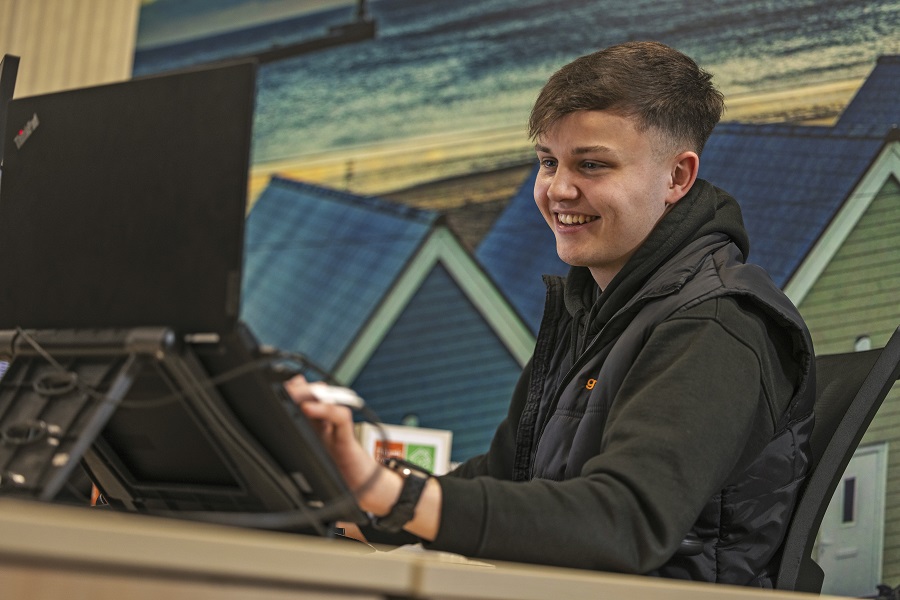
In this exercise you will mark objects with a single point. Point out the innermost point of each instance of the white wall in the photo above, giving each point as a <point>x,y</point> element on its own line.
<point>66,44</point>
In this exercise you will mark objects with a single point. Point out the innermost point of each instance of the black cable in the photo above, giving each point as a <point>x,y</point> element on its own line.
<point>299,518</point>
<point>84,389</point>
<point>208,384</point>
<point>281,520</point>
<point>305,363</point>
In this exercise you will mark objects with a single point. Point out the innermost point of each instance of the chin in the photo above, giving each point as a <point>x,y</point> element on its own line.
<point>570,256</point>
<point>571,261</point>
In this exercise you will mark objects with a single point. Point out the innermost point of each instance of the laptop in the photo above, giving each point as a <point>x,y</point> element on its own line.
<point>122,209</point>
<point>123,204</point>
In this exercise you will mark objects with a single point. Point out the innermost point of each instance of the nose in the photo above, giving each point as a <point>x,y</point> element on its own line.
<point>561,186</point>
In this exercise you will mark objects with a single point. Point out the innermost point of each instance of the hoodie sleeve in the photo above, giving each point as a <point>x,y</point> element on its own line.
<point>690,411</point>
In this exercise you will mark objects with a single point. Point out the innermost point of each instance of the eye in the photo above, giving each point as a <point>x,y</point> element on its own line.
<point>589,165</point>
<point>548,163</point>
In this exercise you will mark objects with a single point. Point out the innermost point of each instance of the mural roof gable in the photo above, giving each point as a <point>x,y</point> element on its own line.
<point>318,261</point>
<point>875,103</point>
<point>790,181</point>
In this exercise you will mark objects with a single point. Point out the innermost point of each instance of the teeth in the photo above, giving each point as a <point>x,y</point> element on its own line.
<point>574,219</point>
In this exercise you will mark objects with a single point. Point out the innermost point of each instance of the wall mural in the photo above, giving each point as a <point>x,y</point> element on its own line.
<point>461,75</point>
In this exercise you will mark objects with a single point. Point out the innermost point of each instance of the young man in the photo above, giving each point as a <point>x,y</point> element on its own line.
<point>662,424</point>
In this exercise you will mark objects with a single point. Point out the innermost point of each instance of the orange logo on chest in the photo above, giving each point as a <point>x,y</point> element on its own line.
<point>590,384</point>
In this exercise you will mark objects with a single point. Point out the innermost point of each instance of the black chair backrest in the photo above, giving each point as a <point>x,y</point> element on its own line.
<point>850,388</point>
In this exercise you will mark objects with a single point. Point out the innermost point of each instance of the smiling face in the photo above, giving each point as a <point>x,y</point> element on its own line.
<point>602,187</point>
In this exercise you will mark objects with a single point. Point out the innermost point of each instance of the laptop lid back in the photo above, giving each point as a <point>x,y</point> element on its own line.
<point>123,205</point>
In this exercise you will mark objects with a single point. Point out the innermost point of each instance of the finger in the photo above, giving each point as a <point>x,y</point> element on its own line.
<point>297,388</point>
<point>332,413</point>
<point>322,428</point>
<point>297,380</point>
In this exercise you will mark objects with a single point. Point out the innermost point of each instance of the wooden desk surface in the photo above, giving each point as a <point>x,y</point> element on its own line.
<point>53,552</point>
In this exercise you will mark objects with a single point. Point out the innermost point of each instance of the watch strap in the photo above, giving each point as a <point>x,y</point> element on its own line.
<point>414,480</point>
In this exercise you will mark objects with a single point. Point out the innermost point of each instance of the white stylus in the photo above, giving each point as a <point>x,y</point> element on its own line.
<point>333,394</point>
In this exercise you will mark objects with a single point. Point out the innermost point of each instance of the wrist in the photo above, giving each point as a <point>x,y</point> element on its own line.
<point>381,497</point>
<point>413,480</point>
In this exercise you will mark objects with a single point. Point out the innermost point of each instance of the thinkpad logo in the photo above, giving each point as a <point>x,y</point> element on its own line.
<point>26,131</point>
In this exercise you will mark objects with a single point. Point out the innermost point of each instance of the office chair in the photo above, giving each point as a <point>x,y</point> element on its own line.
<point>850,388</point>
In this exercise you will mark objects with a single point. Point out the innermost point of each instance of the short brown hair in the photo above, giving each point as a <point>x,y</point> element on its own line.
<point>656,85</point>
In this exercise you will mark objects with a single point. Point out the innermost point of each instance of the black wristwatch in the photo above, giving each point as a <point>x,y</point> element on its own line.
<point>414,480</point>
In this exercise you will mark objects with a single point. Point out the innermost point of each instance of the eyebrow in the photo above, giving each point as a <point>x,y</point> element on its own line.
<point>593,149</point>
<point>579,150</point>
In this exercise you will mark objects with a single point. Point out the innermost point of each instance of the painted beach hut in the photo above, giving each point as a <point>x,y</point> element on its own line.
<point>385,298</point>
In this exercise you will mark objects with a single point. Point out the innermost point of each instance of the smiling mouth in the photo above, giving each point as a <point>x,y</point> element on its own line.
<point>567,219</point>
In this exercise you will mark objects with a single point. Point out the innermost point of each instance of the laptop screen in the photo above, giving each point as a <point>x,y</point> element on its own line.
<point>123,205</point>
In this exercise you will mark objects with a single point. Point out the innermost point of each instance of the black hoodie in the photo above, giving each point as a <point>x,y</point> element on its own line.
<point>645,412</point>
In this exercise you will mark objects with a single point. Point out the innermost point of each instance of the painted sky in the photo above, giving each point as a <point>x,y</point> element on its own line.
<point>166,21</point>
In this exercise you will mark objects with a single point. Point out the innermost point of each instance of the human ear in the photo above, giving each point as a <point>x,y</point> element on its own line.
<point>682,176</point>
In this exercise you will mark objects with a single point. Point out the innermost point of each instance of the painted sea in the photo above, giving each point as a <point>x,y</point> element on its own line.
<point>453,65</point>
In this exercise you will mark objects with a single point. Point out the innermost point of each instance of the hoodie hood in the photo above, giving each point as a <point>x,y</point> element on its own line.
<point>704,210</point>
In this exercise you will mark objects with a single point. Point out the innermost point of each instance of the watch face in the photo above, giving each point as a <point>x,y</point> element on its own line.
<point>406,468</point>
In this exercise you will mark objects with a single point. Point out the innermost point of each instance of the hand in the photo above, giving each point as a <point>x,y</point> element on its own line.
<point>334,425</point>
<point>374,494</point>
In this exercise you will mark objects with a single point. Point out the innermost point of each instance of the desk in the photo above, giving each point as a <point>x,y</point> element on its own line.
<point>61,552</point>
